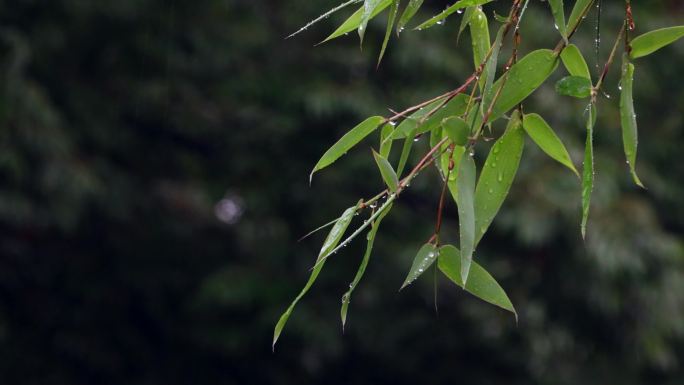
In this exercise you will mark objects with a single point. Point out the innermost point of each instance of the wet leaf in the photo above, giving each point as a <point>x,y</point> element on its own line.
<point>411,8</point>
<point>575,86</point>
<point>479,35</point>
<point>448,11</point>
<point>394,10</point>
<point>542,134</point>
<point>455,106</point>
<point>652,41</point>
<point>574,62</point>
<point>369,7</point>
<point>331,241</point>
<point>457,130</point>
<point>588,169</point>
<point>423,260</point>
<point>354,21</point>
<point>349,140</point>
<point>387,172</point>
<point>579,10</point>
<point>522,79</point>
<point>465,200</point>
<point>385,140</point>
<point>628,118</point>
<point>559,17</point>
<point>465,21</point>
<point>497,175</point>
<point>406,150</point>
<point>480,284</point>
<point>322,17</point>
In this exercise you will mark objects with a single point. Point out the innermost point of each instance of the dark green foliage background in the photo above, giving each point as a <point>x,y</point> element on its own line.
<point>123,123</point>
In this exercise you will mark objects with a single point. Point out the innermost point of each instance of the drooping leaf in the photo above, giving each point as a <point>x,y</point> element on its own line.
<point>346,298</point>
<point>387,172</point>
<point>438,19</point>
<point>542,134</point>
<point>349,140</point>
<point>445,159</point>
<point>465,21</point>
<point>422,261</point>
<point>479,35</point>
<point>465,200</point>
<point>559,17</point>
<point>330,242</point>
<point>354,21</point>
<point>588,169</point>
<point>497,175</point>
<point>575,86</point>
<point>480,284</point>
<point>394,11</point>
<point>455,106</point>
<point>489,72</point>
<point>579,10</point>
<point>406,150</point>
<point>628,117</point>
<point>457,130</point>
<point>652,41</point>
<point>574,62</point>
<point>522,79</point>
<point>385,141</point>
<point>369,7</point>
<point>411,8</point>
<point>323,17</point>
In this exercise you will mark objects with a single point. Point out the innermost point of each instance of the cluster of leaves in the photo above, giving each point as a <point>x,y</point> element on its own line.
<point>457,120</point>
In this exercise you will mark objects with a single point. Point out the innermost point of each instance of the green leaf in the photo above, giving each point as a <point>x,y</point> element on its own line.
<point>456,106</point>
<point>542,134</point>
<point>387,172</point>
<point>465,200</point>
<point>385,141</point>
<point>331,241</point>
<point>394,11</point>
<point>579,10</point>
<point>559,17</point>
<point>457,130</point>
<point>574,61</point>
<point>497,175</point>
<point>322,17</point>
<point>423,260</point>
<point>479,35</point>
<point>346,298</point>
<point>588,169</point>
<point>522,79</point>
<point>628,117</point>
<point>652,41</point>
<point>411,8</point>
<point>451,9</point>
<point>465,21</point>
<point>405,151</point>
<point>575,86</point>
<point>349,140</point>
<point>354,21</point>
<point>480,284</point>
<point>489,72</point>
<point>369,7</point>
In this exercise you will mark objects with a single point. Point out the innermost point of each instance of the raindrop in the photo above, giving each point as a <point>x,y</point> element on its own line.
<point>500,177</point>
<point>459,11</point>
<point>420,270</point>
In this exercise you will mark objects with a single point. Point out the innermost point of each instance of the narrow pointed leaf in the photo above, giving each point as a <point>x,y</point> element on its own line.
<point>588,169</point>
<point>581,6</point>
<point>369,7</point>
<point>457,130</point>
<point>423,260</point>
<point>385,141</point>
<point>354,21</point>
<point>455,106</point>
<point>465,200</point>
<point>346,298</point>
<point>411,8</point>
<point>479,35</point>
<point>628,118</point>
<point>394,10</point>
<point>480,284</point>
<point>349,140</point>
<point>575,86</point>
<point>522,79</point>
<point>387,172</point>
<point>574,62</point>
<point>331,241</point>
<point>497,175</point>
<point>450,10</point>
<point>489,72</point>
<point>465,21</point>
<point>323,17</point>
<point>559,17</point>
<point>542,134</point>
<point>406,151</point>
<point>652,41</point>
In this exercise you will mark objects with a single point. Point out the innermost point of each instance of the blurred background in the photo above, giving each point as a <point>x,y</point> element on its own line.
<point>154,160</point>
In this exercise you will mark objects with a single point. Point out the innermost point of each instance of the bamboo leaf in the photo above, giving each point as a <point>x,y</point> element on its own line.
<point>455,106</point>
<point>457,130</point>
<point>331,241</point>
<point>369,7</point>
<point>652,41</point>
<point>575,86</point>
<point>405,151</point>
<point>394,10</point>
<point>323,17</point>
<point>349,140</point>
<point>387,172</point>
<point>422,261</point>
<point>411,8</point>
<point>480,284</point>
<point>465,200</point>
<point>559,17</point>
<point>497,175</point>
<point>588,169</point>
<point>522,79</point>
<point>385,141</point>
<point>542,134</point>
<point>465,21</point>
<point>479,36</point>
<point>574,62</point>
<point>354,21</point>
<point>448,11</point>
<point>628,118</point>
<point>579,10</point>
